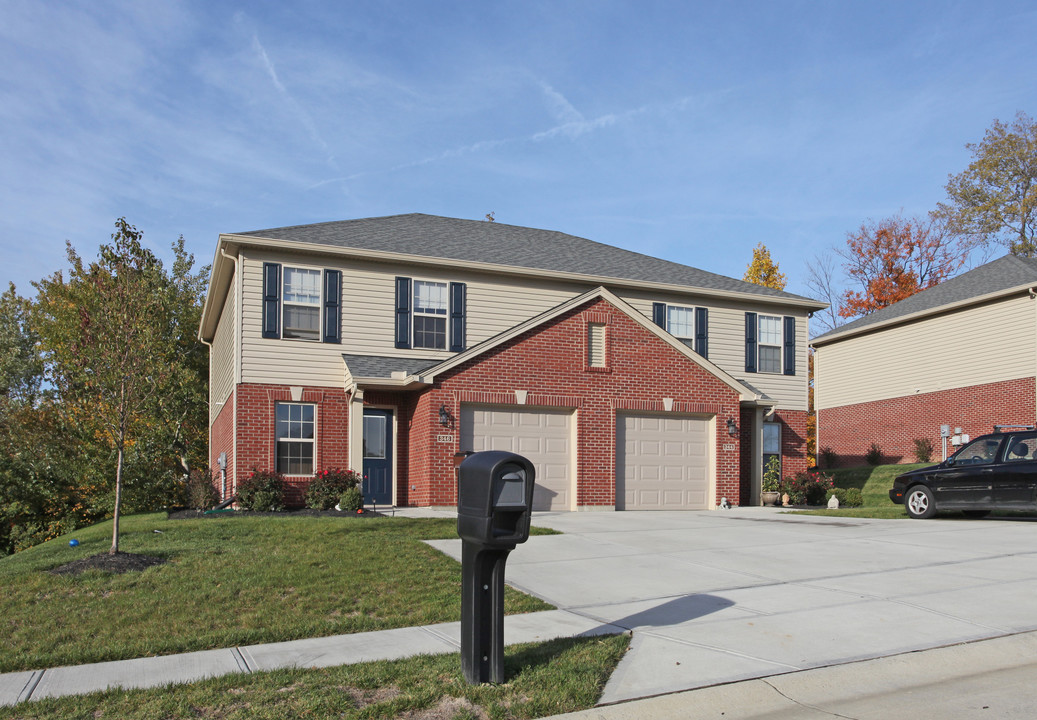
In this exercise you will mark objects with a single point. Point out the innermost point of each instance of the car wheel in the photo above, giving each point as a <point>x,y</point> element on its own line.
<point>919,502</point>
<point>975,513</point>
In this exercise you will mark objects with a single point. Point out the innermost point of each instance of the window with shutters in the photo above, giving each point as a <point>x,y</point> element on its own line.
<point>680,322</point>
<point>430,315</point>
<point>301,303</point>
<point>770,344</point>
<point>295,431</point>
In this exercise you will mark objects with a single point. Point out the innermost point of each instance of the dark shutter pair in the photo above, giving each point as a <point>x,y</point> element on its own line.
<point>789,333</point>
<point>332,310</point>
<point>458,301</point>
<point>701,326</point>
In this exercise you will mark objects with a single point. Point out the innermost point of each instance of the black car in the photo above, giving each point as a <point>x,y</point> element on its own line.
<point>993,472</point>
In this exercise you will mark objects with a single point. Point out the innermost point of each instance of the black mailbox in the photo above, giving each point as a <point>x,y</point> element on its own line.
<point>494,498</point>
<point>494,502</point>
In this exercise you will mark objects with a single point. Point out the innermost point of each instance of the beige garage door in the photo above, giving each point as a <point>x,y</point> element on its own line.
<point>662,463</point>
<point>544,437</point>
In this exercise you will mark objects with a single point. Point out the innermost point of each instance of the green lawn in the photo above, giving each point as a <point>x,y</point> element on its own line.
<point>228,581</point>
<point>543,679</point>
<point>874,482</point>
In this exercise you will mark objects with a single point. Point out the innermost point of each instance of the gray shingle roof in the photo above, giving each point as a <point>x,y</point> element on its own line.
<point>1002,274</point>
<point>380,366</point>
<point>508,245</point>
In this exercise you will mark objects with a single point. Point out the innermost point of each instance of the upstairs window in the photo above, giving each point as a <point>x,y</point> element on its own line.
<point>430,315</point>
<point>301,303</point>
<point>690,325</point>
<point>680,322</point>
<point>770,344</point>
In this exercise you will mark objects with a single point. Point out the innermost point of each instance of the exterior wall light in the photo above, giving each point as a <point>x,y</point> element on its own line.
<point>732,429</point>
<point>444,416</point>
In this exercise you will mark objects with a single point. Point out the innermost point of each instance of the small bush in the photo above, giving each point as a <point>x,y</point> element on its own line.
<point>807,488</point>
<point>351,500</point>
<point>327,487</point>
<point>827,458</point>
<point>262,491</point>
<point>848,497</point>
<point>923,450</point>
<point>772,474</point>
<point>200,491</point>
<point>874,455</point>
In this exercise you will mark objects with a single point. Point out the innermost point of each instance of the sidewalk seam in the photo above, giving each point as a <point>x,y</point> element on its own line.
<point>30,686</point>
<point>239,658</point>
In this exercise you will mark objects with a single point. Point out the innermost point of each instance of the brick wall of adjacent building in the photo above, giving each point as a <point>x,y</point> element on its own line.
<point>894,424</point>
<point>221,440</point>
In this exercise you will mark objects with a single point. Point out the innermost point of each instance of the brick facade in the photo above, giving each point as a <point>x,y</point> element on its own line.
<point>642,374</point>
<point>894,424</point>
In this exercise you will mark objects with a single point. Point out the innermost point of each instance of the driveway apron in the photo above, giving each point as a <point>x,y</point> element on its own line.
<point>721,596</point>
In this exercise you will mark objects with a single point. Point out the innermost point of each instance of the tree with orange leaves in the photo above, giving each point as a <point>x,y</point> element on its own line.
<point>894,258</point>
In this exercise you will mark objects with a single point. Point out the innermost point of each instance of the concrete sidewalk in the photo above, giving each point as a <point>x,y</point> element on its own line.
<point>311,653</point>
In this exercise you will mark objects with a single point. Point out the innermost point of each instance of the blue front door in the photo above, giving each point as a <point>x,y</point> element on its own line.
<point>377,485</point>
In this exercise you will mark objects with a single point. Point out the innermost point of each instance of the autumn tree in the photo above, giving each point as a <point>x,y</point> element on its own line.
<point>118,342</point>
<point>763,270</point>
<point>824,286</point>
<point>994,200</point>
<point>895,258</point>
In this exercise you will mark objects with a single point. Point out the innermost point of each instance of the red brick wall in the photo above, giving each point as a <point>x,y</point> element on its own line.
<point>256,431</point>
<point>221,440</point>
<point>549,362</point>
<point>895,423</point>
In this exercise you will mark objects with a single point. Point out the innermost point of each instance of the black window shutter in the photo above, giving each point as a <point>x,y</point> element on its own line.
<point>702,331</point>
<point>458,298</point>
<point>750,342</point>
<point>332,306</point>
<point>659,314</point>
<point>271,300</point>
<point>403,312</point>
<point>790,345</point>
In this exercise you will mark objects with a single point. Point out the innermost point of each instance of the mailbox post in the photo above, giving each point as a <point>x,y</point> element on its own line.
<point>494,503</point>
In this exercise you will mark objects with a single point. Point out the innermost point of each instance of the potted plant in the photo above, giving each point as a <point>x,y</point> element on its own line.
<point>771,478</point>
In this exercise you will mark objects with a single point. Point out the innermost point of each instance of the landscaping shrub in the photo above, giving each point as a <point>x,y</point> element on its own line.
<point>827,458</point>
<point>848,497</point>
<point>351,500</point>
<point>262,491</point>
<point>923,450</point>
<point>807,488</point>
<point>772,474</point>
<point>874,455</point>
<point>199,491</point>
<point>328,486</point>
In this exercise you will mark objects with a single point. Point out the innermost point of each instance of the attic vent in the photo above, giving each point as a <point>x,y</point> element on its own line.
<point>596,345</point>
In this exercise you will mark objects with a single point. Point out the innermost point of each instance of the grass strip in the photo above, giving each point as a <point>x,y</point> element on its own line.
<point>874,482</point>
<point>547,678</point>
<point>228,582</point>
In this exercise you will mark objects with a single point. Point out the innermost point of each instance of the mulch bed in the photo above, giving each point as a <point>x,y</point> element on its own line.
<point>120,562</point>
<point>301,512</point>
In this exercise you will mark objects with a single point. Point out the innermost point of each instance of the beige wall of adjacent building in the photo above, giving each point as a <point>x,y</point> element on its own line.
<point>976,345</point>
<point>223,356</point>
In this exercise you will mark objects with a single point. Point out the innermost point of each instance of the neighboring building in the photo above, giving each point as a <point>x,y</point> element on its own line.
<point>962,354</point>
<point>389,344</point>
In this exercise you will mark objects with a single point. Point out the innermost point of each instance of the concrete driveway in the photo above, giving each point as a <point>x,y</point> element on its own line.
<point>716,597</point>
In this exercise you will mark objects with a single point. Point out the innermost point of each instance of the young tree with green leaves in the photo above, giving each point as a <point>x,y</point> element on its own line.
<point>763,270</point>
<point>118,340</point>
<point>994,200</point>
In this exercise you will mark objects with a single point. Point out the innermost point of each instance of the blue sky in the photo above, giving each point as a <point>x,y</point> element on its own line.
<point>686,130</point>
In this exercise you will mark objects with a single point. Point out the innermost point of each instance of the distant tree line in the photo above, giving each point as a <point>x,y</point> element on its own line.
<point>105,382</point>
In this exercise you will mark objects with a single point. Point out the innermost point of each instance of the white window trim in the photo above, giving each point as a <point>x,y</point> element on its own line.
<point>284,302</point>
<point>760,344</point>
<point>415,314</point>
<point>688,340</point>
<point>312,441</point>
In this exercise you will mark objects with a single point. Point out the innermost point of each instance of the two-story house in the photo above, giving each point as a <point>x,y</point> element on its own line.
<point>387,345</point>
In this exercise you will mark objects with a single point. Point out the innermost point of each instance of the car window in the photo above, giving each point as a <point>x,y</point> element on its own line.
<point>978,452</point>
<point>1021,447</point>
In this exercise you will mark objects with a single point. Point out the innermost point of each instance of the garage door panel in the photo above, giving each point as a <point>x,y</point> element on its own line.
<point>542,436</point>
<point>665,462</point>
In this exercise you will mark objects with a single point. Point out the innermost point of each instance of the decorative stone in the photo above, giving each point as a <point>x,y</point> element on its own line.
<point>833,503</point>
<point>785,500</point>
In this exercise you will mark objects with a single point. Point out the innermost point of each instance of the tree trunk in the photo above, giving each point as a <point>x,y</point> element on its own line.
<point>118,502</point>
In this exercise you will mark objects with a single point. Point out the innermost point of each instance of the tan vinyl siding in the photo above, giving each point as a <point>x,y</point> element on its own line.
<point>977,345</point>
<point>222,357</point>
<point>727,344</point>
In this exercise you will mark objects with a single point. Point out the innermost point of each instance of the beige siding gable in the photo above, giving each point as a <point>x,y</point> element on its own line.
<point>223,356</point>
<point>973,346</point>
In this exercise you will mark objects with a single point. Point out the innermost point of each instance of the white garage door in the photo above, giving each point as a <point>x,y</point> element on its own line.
<point>662,463</point>
<point>541,436</point>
